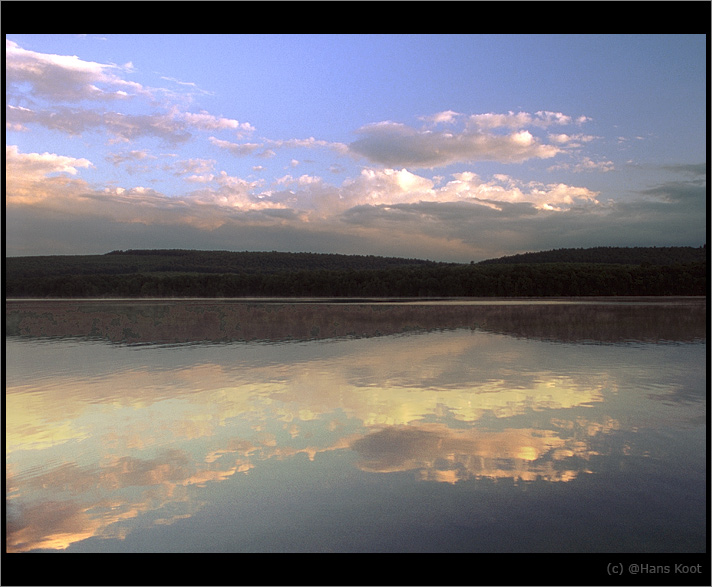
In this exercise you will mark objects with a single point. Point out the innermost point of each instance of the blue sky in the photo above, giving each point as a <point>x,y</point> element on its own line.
<point>446,147</point>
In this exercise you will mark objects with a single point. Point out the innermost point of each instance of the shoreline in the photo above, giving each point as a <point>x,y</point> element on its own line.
<point>376,300</point>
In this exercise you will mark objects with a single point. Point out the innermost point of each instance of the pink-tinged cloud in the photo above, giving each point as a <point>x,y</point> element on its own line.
<point>397,145</point>
<point>64,77</point>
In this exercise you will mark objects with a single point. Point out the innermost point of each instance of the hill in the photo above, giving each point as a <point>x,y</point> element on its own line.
<point>606,271</point>
<point>192,261</point>
<point>610,255</point>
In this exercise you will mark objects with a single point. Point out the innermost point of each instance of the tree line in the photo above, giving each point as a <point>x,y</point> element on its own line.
<point>613,255</point>
<point>195,261</point>
<point>422,280</point>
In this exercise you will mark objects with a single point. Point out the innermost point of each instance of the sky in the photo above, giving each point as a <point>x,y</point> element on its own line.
<point>443,147</point>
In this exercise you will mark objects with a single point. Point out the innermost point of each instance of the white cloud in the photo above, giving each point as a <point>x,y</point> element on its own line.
<point>450,137</point>
<point>42,163</point>
<point>195,165</point>
<point>237,149</point>
<point>571,140</point>
<point>310,143</point>
<point>585,164</point>
<point>386,186</point>
<point>72,121</point>
<point>193,86</point>
<point>129,127</point>
<point>491,120</point>
<point>384,210</point>
<point>373,186</point>
<point>129,156</point>
<point>123,128</point>
<point>302,180</point>
<point>206,121</point>
<point>30,177</point>
<point>542,118</point>
<point>503,188</point>
<point>64,77</point>
<point>395,144</point>
<point>446,117</point>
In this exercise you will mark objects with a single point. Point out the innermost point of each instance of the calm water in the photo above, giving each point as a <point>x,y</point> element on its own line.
<point>252,427</point>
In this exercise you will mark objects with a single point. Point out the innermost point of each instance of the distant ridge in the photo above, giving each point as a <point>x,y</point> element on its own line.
<point>610,255</point>
<point>601,271</point>
<point>196,261</point>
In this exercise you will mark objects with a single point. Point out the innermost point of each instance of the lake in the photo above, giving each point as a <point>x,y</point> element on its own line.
<point>329,426</point>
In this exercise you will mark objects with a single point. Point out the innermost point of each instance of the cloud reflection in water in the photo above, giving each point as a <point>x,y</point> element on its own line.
<point>103,439</point>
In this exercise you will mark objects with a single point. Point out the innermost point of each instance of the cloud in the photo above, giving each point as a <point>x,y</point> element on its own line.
<point>503,188</point>
<point>237,149</point>
<point>585,164</point>
<point>310,143</point>
<point>194,166</point>
<point>395,145</point>
<point>244,149</point>
<point>41,182</point>
<point>505,138</point>
<point>390,186</point>
<point>60,79</point>
<point>193,86</point>
<point>476,229</point>
<point>122,128</point>
<point>44,163</point>
<point>171,127</point>
<point>64,77</point>
<point>129,156</point>
<point>542,118</point>
<point>380,210</point>
<point>571,140</point>
<point>377,186</point>
<point>30,177</point>
<point>73,121</point>
<point>206,121</point>
<point>697,170</point>
<point>694,192</point>
<point>446,117</point>
<point>129,127</point>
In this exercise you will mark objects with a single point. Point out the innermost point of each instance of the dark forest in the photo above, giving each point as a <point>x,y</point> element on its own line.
<point>601,271</point>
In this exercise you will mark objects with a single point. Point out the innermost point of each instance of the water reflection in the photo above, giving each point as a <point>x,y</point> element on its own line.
<point>105,439</point>
<point>440,453</point>
<point>641,319</point>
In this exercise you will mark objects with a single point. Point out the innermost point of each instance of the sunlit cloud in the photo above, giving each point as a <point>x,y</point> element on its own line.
<point>194,166</point>
<point>64,77</point>
<point>395,144</point>
<point>446,117</point>
<point>57,79</point>
<point>191,85</point>
<point>31,176</point>
<point>237,149</point>
<point>575,140</point>
<point>542,119</point>
<point>44,163</point>
<point>401,210</point>
<point>129,156</point>
<point>310,143</point>
<point>174,162</point>
<point>206,121</point>
<point>505,138</point>
<point>585,164</point>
